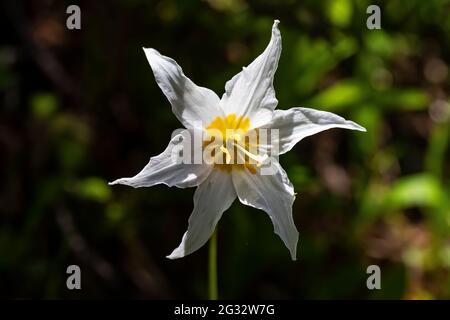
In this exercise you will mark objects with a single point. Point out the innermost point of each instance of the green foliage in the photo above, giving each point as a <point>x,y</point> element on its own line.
<point>44,105</point>
<point>94,188</point>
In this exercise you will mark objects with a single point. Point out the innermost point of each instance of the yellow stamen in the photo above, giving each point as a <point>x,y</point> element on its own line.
<point>229,133</point>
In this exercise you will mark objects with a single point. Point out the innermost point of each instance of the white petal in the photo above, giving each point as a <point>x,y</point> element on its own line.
<point>275,195</point>
<point>211,199</point>
<point>191,104</point>
<point>164,169</point>
<point>250,93</point>
<point>297,123</point>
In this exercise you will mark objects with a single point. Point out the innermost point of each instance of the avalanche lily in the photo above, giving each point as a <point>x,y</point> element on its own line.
<point>247,106</point>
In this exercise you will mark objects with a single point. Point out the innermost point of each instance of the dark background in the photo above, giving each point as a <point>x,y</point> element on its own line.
<point>80,108</point>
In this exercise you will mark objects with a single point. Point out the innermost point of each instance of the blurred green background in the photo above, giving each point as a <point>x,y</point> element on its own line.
<point>80,108</point>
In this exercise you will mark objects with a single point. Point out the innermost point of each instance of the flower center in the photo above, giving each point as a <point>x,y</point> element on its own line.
<point>229,143</point>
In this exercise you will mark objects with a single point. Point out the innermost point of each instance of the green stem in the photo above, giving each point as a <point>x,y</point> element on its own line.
<point>212,267</point>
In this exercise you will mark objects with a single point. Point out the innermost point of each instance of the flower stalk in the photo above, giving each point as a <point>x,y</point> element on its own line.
<point>212,267</point>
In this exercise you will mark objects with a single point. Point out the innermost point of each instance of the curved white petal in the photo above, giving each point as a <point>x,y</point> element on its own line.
<point>167,169</point>
<point>250,93</point>
<point>191,104</point>
<point>297,123</point>
<point>211,199</point>
<point>275,195</point>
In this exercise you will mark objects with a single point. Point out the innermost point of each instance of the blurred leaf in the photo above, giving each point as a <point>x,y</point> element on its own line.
<point>115,212</point>
<point>437,147</point>
<point>44,105</point>
<point>344,47</point>
<point>340,12</point>
<point>379,42</point>
<point>420,190</point>
<point>94,188</point>
<point>227,5</point>
<point>370,118</point>
<point>70,153</point>
<point>300,176</point>
<point>339,96</point>
<point>405,99</point>
<point>417,190</point>
<point>72,127</point>
<point>316,57</point>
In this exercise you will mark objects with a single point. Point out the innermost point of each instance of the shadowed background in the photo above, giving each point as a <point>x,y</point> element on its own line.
<point>81,108</point>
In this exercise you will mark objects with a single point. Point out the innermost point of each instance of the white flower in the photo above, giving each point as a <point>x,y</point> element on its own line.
<point>248,105</point>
